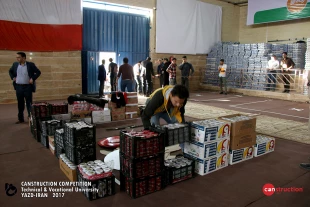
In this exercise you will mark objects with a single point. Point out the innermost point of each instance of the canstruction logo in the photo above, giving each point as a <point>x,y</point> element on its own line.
<point>295,6</point>
<point>269,190</point>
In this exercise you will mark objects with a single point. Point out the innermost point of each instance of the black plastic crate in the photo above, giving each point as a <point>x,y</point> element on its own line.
<point>52,125</point>
<point>105,186</point>
<point>136,188</point>
<point>43,127</point>
<point>180,173</point>
<point>59,137</point>
<point>79,154</point>
<point>44,140</point>
<point>174,135</point>
<point>136,145</point>
<point>142,167</point>
<point>40,110</point>
<point>80,137</point>
<point>59,150</point>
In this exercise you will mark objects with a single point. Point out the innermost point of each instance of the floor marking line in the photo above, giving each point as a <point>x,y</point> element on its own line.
<point>250,103</point>
<point>272,113</point>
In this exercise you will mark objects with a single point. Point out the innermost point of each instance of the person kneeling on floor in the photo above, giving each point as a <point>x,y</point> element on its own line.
<point>167,103</point>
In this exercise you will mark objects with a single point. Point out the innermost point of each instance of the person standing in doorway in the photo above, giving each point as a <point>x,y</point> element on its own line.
<point>126,71</point>
<point>113,74</point>
<point>24,74</point>
<point>148,75</point>
<point>287,65</point>
<point>222,76</point>
<point>172,70</point>
<point>102,76</point>
<point>187,71</point>
<point>273,66</point>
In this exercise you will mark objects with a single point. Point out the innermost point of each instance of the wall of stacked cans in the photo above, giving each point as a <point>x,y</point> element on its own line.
<point>246,63</point>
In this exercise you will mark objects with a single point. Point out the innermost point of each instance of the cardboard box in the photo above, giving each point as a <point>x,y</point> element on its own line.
<point>212,164</point>
<point>201,133</point>
<point>132,107</point>
<point>51,140</point>
<point>71,174</point>
<point>206,150</point>
<point>132,100</point>
<point>101,116</point>
<point>131,115</point>
<point>240,155</point>
<point>264,146</point>
<point>242,141</point>
<point>118,117</point>
<point>62,116</point>
<point>241,127</point>
<point>80,114</point>
<point>52,148</point>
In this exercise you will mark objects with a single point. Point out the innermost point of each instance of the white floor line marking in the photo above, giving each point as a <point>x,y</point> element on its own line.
<point>294,109</point>
<point>225,98</point>
<point>249,103</point>
<point>271,112</point>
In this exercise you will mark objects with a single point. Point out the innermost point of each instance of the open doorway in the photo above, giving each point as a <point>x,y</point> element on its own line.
<point>106,56</point>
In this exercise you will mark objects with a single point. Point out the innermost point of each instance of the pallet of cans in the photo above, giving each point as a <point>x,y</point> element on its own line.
<point>59,142</point>
<point>79,133</point>
<point>80,154</point>
<point>141,144</point>
<point>264,144</point>
<point>37,127</point>
<point>99,175</point>
<point>59,108</point>
<point>137,187</point>
<point>178,169</point>
<point>174,133</point>
<point>142,167</point>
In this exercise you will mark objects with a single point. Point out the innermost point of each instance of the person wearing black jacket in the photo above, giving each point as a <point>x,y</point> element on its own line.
<point>167,103</point>
<point>164,72</point>
<point>148,74</point>
<point>102,76</point>
<point>24,75</point>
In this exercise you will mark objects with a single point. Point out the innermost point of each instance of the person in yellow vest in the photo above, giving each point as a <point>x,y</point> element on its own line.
<point>166,103</point>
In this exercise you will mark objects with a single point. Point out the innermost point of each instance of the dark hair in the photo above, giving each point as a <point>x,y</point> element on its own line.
<point>22,54</point>
<point>125,60</point>
<point>148,58</point>
<point>284,53</point>
<point>180,91</point>
<point>140,61</point>
<point>110,59</point>
<point>165,59</point>
<point>222,60</point>
<point>274,56</point>
<point>174,59</point>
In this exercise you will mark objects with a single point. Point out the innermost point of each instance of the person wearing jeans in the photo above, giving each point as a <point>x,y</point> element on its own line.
<point>187,71</point>
<point>273,65</point>
<point>172,72</point>
<point>222,76</point>
<point>102,76</point>
<point>126,71</point>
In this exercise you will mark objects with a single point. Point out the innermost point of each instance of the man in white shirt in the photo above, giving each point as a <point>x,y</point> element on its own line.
<point>137,70</point>
<point>222,76</point>
<point>273,66</point>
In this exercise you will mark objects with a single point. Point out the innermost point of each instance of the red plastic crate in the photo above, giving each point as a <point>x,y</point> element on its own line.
<point>141,144</point>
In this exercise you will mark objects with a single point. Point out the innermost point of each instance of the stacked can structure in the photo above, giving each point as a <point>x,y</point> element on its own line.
<point>79,142</point>
<point>264,145</point>
<point>174,133</point>
<point>178,169</point>
<point>141,162</point>
<point>99,174</point>
<point>209,145</point>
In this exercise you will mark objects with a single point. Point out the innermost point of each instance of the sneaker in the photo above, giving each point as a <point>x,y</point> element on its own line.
<point>19,122</point>
<point>221,92</point>
<point>305,166</point>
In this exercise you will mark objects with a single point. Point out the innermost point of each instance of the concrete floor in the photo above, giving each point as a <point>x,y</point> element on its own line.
<point>24,159</point>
